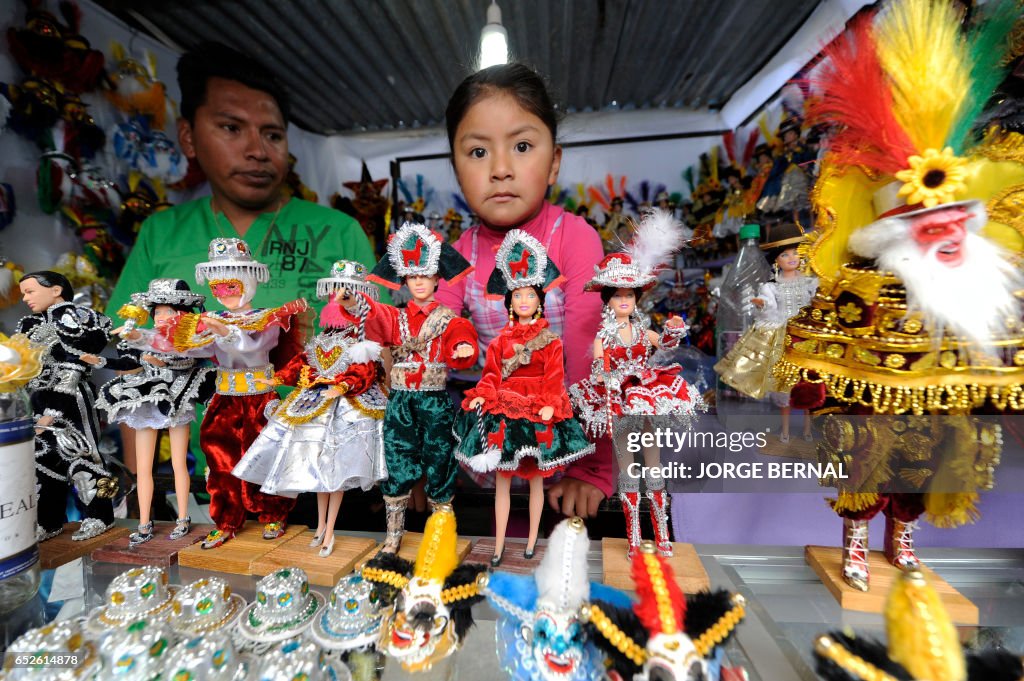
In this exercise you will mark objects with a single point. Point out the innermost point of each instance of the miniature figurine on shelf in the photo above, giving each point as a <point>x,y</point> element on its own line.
<point>426,338</point>
<point>540,634</point>
<point>63,402</point>
<point>665,635</point>
<point>748,366</point>
<point>429,603</point>
<point>246,344</point>
<point>518,419</point>
<point>160,393</point>
<point>623,384</point>
<point>325,436</point>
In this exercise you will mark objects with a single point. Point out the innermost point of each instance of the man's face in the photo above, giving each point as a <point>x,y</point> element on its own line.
<point>421,287</point>
<point>238,139</point>
<point>39,298</point>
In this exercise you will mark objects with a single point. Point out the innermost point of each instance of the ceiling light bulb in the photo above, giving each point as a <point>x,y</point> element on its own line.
<point>493,39</point>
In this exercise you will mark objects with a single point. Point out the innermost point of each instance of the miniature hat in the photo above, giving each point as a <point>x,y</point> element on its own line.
<point>204,606</point>
<point>791,124</point>
<point>521,261</point>
<point>352,617</point>
<point>415,250</point>
<point>212,657</point>
<point>65,636</point>
<point>301,660</point>
<point>138,650</point>
<point>138,594</point>
<point>168,292</point>
<point>284,606</point>
<point>229,258</point>
<point>780,236</point>
<point>657,237</point>
<point>345,275</point>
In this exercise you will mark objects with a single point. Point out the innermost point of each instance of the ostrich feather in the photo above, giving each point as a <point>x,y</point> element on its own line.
<point>657,237</point>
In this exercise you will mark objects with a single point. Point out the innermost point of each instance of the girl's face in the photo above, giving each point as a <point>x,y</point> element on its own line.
<point>162,313</point>
<point>525,302</point>
<point>623,302</point>
<point>788,260</point>
<point>505,160</point>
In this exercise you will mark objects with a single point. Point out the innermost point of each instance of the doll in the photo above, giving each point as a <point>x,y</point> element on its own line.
<point>325,437</point>
<point>665,636</point>
<point>748,365</point>
<point>63,399</point>
<point>623,384</point>
<point>540,633</point>
<point>429,603</point>
<point>426,338</point>
<point>161,393</point>
<point>246,343</point>
<point>518,419</point>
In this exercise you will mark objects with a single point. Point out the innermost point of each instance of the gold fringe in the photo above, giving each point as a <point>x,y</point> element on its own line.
<point>951,509</point>
<point>853,501</point>
<point>185,332</point>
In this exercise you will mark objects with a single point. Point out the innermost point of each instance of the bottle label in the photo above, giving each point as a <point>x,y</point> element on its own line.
<point>18,550</point>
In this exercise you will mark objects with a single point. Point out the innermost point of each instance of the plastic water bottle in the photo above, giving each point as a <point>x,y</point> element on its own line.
<point>19,552</point>
<point>735,311</point>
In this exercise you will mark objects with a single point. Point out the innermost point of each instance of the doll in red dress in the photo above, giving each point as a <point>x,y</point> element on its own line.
<point>624,389</point>
<point>518,419</point>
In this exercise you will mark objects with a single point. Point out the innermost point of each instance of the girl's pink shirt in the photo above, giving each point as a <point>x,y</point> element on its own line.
<point>575,249</point>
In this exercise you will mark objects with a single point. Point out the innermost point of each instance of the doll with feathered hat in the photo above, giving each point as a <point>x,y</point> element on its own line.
<point>623,386</point>
<point>518,419</point>
<point>426,340</point>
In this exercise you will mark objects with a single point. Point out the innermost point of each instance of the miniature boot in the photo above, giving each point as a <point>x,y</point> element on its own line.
<point>629,494</point>
<point>659,519</point>
<point>395,508</point>
<point>899,543</point>
<point>855,553</point>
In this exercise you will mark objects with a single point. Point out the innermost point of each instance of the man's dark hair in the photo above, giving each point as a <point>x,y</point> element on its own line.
<point>216,60</point>
<point>48,279</point>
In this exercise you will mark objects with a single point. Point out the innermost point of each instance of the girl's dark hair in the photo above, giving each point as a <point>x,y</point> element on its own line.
<point>607,292</point>
<point>517,80</point>
<point>538,289</point>
<point>48,279</point>
<point>774,253</point>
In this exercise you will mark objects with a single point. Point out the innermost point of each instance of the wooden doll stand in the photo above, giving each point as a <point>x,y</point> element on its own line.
<point>685,564</point>
<point>236,556</point>
<point>348,553</point>
<point>62,549</point>
<point>159,550</point>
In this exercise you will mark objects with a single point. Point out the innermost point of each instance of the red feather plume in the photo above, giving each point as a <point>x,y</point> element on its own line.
<point>748,151</point>
<point>856,96</point>
<point>647,606</point>
<point>729,142</point>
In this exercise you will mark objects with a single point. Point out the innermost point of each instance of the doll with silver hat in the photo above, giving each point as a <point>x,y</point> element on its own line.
<point>352,618</point>
<point>207,657</point>
<point>284,608</point>
<point>325,436</point>
<point>141,593</point>
<point>246,343</point>
<point>137,652</point>
<point>63,403</point>
<point>429,602</point>
<point>61,637</point>
<point>539,630</point>
<point>426,339</point>
<point>204,606</point>
<point>624,390</point>
<point>159,392</point>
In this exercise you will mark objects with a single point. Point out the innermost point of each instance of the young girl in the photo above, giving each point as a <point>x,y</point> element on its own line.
<point>518,419</point>
<point>502,129</point>
<point>160,396</point>
<point>748,365</point>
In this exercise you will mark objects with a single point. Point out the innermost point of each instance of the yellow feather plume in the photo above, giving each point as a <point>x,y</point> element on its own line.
<point>921,50</point>
<point>437,555</point>
<point>921,636</point>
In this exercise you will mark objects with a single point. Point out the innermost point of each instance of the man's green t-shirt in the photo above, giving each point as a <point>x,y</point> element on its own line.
<point>298,246</point>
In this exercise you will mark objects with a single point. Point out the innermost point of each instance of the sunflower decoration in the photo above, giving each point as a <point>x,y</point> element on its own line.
<point>933,178</point>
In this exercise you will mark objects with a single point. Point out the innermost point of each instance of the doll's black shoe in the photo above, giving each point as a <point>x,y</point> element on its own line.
<point>529,552</point>
<point>496,559</point>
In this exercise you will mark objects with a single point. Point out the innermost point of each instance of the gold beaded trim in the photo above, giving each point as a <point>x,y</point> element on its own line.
<point>661,595</point>
<point>618,638</point>
<point>848,662</point>
<point>388,577</point>
<point>464,591</point>
<point>721,629</point>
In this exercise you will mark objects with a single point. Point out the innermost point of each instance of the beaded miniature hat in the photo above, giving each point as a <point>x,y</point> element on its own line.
<point>141,593</point>
<point>521,261</point>
<point>301,659</point>
<point>212,657</point>
<point>284,606</point>
<point>346,275</point>
<point>352,617</point>
<point>415,250</point>
<point>229,258</point>
<point>168,292</point>
<point>204,606</point>
<point>657,237</point>
<point>67,637</point>
<point>138,650</point>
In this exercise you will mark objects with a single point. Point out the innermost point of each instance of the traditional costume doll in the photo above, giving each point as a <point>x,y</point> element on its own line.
<point>63,402</point>
<point>430,602</point>
<point>160,393</point>
<point>922,645</point>
<point>623,384</point>
<point>540,633</point>
<point>246,343</point>
<point>426,338</point>
<point>518,419</point>
<point>748,366</point>
<point>918,311</point>
<point>665,636</point>
<point>325,436</point>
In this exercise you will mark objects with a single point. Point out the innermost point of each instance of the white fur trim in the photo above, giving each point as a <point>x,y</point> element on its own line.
<point>486,461</point>
<point>364,351</point>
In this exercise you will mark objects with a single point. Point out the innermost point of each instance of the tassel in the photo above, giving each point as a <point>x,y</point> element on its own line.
<point>486,461</point>
<point>921,636</point>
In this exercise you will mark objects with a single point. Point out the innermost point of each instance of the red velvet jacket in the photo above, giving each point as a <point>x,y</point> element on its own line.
<point>382,325</point>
